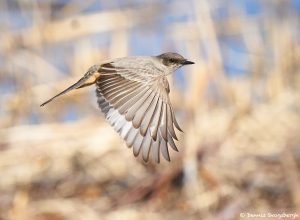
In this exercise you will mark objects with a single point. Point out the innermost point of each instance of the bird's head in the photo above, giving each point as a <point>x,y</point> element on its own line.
<point>173,60</point>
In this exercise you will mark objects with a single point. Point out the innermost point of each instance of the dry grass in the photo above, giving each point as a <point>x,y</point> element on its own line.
<point>240,150</point>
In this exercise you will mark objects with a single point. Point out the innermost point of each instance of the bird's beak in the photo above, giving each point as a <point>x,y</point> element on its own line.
<point>187,62</point>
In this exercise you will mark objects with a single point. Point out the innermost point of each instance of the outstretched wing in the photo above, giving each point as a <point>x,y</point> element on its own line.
<point>136,103</point>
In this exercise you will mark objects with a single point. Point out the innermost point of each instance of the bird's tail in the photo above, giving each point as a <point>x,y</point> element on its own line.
<point>88,79</point>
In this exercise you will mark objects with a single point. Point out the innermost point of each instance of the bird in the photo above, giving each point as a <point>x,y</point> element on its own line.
<point>133,93</point>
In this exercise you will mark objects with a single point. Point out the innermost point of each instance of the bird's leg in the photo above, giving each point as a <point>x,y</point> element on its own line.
<point>88,79</point>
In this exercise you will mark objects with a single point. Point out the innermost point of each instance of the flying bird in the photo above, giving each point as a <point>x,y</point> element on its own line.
<point>133,93</point>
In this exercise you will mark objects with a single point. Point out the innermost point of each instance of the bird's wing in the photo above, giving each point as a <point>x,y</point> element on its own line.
<point>137,105</point>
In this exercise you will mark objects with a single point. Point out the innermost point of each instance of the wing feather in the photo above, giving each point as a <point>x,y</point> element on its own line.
<point>146,146</point>
<point>156,120</point>
<point>171,123</point>
<point>163,122</point>
<point>149,116</point>
<point>141,112</point>
<point>155,151</point>
<point>164,149</point>
<point>137,105</point>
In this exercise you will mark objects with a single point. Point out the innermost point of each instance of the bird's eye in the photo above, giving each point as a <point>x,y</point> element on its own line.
<point>172,60</point>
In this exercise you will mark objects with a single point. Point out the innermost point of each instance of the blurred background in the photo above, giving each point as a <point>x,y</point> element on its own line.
<point>239,107</point>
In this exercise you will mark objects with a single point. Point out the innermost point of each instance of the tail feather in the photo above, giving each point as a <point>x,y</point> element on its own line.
<point>93,71</point>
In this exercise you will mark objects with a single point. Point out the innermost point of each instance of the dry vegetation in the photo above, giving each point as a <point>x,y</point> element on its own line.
<point>240,150</point>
